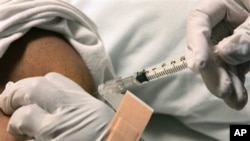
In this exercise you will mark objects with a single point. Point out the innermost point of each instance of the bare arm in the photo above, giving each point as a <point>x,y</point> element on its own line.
<point>36,54</point>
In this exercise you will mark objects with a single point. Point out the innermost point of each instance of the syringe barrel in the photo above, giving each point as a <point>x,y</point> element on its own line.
<point>119,84</point>
<point>161,70</point>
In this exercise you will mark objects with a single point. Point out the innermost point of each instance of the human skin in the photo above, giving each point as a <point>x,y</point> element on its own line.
<point>37,53</point>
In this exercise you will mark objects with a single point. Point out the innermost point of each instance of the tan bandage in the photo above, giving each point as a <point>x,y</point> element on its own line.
<point>130,119</point>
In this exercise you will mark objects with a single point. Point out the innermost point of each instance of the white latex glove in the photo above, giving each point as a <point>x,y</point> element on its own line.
<point>219,47</point>
<point>53,108</point>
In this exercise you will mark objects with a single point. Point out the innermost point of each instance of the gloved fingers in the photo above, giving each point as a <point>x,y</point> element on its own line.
<point>5,99</point>
<point>26,121</point>
<point>226,83</point>
<point>56,79</point>
<point>209,22</point>
<point>239,97</point>
<point>204,16</point>
<point>72,122</point>
<point>29,91</point>
<point>217,79</point>
<point>45,93</point>
<point>235,49</point>
<point>244,68</point>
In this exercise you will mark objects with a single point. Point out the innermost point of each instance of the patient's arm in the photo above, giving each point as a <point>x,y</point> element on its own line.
<point>36,54</point>
<point>4,136</point>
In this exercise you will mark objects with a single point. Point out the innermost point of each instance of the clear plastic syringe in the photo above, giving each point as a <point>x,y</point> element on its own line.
<point>120,85</point>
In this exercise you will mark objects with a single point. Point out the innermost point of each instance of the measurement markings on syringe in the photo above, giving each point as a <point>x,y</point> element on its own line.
<point>164,69</point>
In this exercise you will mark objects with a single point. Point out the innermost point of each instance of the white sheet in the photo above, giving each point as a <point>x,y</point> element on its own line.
<point>140,33</point>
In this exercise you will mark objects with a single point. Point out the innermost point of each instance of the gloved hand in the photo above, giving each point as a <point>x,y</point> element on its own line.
<point>219,47</point>
<point>53,108</point>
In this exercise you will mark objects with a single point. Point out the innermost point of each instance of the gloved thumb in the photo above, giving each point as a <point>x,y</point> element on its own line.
<point>238,99</point>
<point>235,49</point>
<point>25,126</point>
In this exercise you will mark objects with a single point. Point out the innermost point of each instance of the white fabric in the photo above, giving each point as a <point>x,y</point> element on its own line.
<point>141,33</point>
<point>55,108</point>
<point>18,16</point>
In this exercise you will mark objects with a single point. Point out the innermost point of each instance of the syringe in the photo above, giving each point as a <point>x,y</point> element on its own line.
<point>120,85</point>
